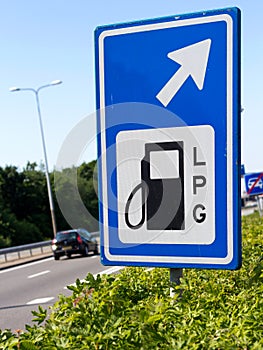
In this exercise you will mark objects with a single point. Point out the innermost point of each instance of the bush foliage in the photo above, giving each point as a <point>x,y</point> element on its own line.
<point>134,310</point>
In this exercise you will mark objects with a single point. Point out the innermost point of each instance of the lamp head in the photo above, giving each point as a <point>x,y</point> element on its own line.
<point>56,82</point>
<point>13,89</point>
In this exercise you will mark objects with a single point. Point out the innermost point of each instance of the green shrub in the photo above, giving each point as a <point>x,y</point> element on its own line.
<point>133,309</point>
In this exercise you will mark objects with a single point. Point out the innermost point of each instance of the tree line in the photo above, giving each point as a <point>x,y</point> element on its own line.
<point>24,203</point>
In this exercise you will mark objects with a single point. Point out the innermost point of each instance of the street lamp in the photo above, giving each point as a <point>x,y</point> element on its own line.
<point>36,92</point>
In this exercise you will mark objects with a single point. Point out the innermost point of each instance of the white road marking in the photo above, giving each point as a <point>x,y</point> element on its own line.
<point>105,272</point>
<point>39,274</point>
<point>26,265</point>
<point>149,269</point>
<point>110,270</point>
<point>40,301</point>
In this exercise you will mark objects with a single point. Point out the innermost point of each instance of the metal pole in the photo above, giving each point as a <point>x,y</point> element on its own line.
<point>259,206</point>
<point>51,203</point>
<point>54,82</point>
<point>175,276</point>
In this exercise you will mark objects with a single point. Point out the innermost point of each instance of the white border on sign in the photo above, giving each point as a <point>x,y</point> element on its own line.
<point>171,259</point>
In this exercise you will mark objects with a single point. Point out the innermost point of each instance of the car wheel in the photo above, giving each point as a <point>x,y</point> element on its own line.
<point>56,256</point>
<point>86,251</point>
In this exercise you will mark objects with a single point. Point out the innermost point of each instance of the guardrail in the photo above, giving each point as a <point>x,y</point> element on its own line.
<point>24,251</point>
<point>28,250</point>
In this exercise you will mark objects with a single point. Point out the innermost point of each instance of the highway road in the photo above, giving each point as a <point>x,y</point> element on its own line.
<point>24,287</point>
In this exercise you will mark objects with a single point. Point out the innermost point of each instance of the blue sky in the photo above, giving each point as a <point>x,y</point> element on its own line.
<point>53,39</point>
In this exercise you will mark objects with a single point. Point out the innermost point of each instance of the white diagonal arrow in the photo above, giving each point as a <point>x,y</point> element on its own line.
<point>193,60</point>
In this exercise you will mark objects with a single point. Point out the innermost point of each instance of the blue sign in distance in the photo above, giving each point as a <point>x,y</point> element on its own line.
<point>254,183</point>
<point>168,101</point>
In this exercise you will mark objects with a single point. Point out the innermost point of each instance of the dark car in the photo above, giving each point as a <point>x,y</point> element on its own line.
<point>78,241</point>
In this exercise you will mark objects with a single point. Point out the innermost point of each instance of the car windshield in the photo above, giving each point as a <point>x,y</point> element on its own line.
<point>66,235</point>
<point>84,233</point>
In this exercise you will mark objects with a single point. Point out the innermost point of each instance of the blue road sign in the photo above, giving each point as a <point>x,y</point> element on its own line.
<point>254,183</point>
<point>168,100</point>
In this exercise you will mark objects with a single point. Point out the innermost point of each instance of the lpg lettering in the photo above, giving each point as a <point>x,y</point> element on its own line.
<point>199,182</point>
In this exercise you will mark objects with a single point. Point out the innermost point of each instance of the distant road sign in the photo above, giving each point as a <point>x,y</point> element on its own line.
<point>254,183</point>
<point>168,100</point>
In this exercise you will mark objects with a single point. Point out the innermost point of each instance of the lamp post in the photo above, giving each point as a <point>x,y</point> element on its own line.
<point>36,92</point>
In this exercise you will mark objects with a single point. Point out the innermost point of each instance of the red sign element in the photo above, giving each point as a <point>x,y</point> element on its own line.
<point>255,183</point>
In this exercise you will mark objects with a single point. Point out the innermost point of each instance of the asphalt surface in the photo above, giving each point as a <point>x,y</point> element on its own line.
<point>24,287</point>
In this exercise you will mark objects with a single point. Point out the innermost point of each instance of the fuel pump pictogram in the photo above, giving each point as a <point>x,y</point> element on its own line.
<point>162,188</point>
